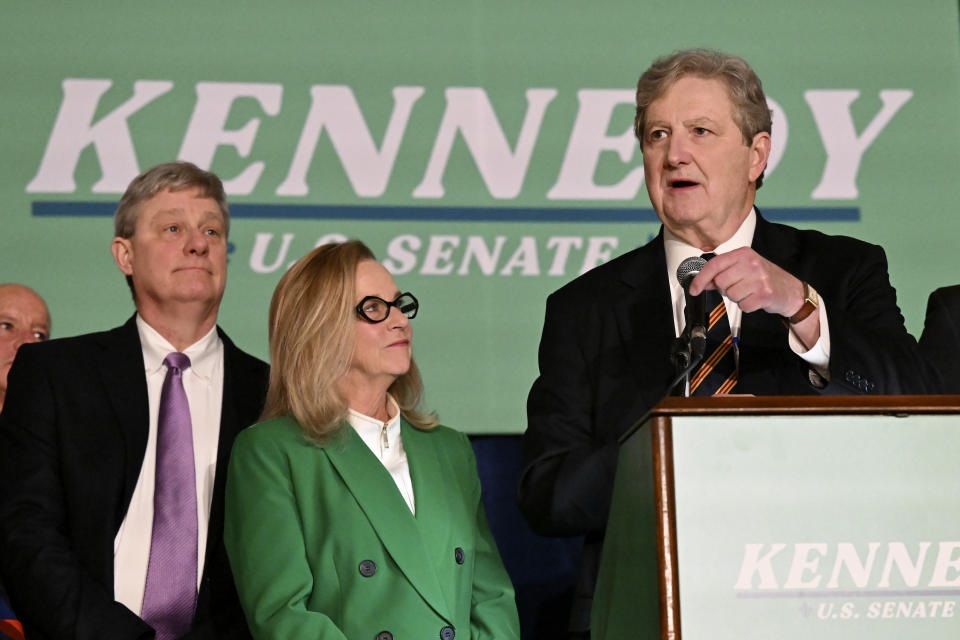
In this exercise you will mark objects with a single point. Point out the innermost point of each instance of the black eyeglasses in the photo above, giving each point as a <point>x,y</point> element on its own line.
<point>374,309</point>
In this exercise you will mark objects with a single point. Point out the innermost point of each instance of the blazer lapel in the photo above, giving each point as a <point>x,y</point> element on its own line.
<point>388,513</point>
<point>434,513</point>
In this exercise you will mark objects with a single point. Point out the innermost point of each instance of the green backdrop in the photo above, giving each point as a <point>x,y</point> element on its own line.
<point>482,149</point>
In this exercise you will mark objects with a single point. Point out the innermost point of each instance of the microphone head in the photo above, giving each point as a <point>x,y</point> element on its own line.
<point>689,269</point>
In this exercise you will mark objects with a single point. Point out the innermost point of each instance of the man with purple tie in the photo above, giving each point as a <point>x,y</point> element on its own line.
<point>116,443</point>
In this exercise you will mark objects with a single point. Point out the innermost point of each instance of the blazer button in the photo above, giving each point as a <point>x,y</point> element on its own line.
<point>384,635</point>
<point>367,569</point>
<point>447,633</point>
<point>458,555</point>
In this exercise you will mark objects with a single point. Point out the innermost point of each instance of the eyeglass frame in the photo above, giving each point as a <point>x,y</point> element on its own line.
<point>362,313</point>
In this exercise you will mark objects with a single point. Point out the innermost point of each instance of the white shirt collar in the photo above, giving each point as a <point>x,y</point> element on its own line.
<point>677,250</point>
<point>202,353</point>
<point>366,425</point>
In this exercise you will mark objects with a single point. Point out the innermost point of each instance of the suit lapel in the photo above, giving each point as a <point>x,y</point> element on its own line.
<point>644,316</point>
<point>388,513</point>
<point>242,401</point>
<point>120,367</point>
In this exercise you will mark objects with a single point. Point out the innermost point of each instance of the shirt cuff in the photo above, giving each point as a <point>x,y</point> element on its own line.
<point>817,356</point>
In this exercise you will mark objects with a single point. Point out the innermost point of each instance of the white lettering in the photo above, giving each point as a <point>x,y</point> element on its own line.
<point>336,108</point>
<point>525,257</point>
<point>563,244</point>
<point>599,250</point>
<point>802,562</point>
<point>754,563</point>
<point>831,110</point>
<point>439,252</point>
<point>859,571</point>
<point>587,141</point>
<point>469,111</point>
<point>486,259</point>
<point>401,251</point>
<point>946,562</point>
<point>258,255</point>
<point>780,132</point>
<point>897,554</point>
<point>206,132</point>
<point>74,131</point>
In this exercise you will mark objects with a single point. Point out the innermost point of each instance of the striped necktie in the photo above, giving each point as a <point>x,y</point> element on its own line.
<point>718,371</point>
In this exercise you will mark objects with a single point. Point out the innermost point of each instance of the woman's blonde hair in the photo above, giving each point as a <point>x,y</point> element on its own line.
<point>312,340</point>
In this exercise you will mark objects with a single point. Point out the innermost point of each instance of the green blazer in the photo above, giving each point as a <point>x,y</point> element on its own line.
<point>322,544</point>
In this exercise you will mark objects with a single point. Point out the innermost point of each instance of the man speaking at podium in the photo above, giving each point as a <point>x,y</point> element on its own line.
<point>787,312</point>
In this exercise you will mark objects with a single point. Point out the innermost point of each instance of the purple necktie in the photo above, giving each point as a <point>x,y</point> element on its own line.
<point>170,597</point>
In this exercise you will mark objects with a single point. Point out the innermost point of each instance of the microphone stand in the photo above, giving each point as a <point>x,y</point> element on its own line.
<point>685,360</point>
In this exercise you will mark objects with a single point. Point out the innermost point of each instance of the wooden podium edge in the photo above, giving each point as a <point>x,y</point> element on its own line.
<point>807,405</point>
<point>662,434</point>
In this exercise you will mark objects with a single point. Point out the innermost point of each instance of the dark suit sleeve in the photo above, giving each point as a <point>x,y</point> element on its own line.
<point>940,341</point>
<point>52,593</point>
<point>568,467</point>
<point>870,348</point>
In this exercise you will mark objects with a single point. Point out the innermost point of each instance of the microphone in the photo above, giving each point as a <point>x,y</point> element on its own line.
<point>695,311</point>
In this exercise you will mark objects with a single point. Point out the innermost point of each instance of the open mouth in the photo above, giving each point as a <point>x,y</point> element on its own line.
<point>682,184</point>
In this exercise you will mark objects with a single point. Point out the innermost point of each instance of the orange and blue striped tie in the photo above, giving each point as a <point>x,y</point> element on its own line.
<point>718,372</point>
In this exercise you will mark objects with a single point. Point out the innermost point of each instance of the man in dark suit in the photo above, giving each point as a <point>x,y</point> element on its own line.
<point>807,313</point>
<point>940,340</point>
<point>115,444</point>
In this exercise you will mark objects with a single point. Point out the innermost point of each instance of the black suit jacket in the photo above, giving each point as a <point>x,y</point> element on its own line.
<point>940,340</point>
<point>605,361</point>
<point>72,439</point>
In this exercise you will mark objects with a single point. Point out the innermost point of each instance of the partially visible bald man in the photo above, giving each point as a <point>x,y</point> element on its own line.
<point>23,318</point>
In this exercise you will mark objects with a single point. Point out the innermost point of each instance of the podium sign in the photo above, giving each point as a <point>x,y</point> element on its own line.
<point>761,525</point>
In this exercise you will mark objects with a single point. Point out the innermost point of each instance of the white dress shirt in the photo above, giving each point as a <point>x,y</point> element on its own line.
<point>677,251</point>
<point>383,439</point>
<point>203,383</point>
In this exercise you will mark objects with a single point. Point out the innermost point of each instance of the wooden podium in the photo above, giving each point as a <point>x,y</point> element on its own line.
<point>782,517</point>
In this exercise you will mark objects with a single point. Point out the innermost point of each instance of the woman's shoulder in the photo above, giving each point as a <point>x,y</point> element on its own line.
<point>438,432</point>
<point>440,437</point>
<point>279,429</point>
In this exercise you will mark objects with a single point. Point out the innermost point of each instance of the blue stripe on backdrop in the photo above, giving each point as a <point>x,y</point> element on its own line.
<point>47,208</point>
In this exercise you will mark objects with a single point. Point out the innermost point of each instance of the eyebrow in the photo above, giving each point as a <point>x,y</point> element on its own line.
<point>394,297</point>
<point>7,317</point>
<point>701,120</point>
<point>172,213</point>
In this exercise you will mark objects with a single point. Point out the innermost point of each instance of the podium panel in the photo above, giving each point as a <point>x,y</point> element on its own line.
<point>784,526</point>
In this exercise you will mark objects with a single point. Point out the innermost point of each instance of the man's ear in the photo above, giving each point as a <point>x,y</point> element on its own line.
<point>122,250</point>
<point>760,153</point>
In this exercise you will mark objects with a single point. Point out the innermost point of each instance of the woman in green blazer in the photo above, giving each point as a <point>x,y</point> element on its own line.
<point>350,514</point>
